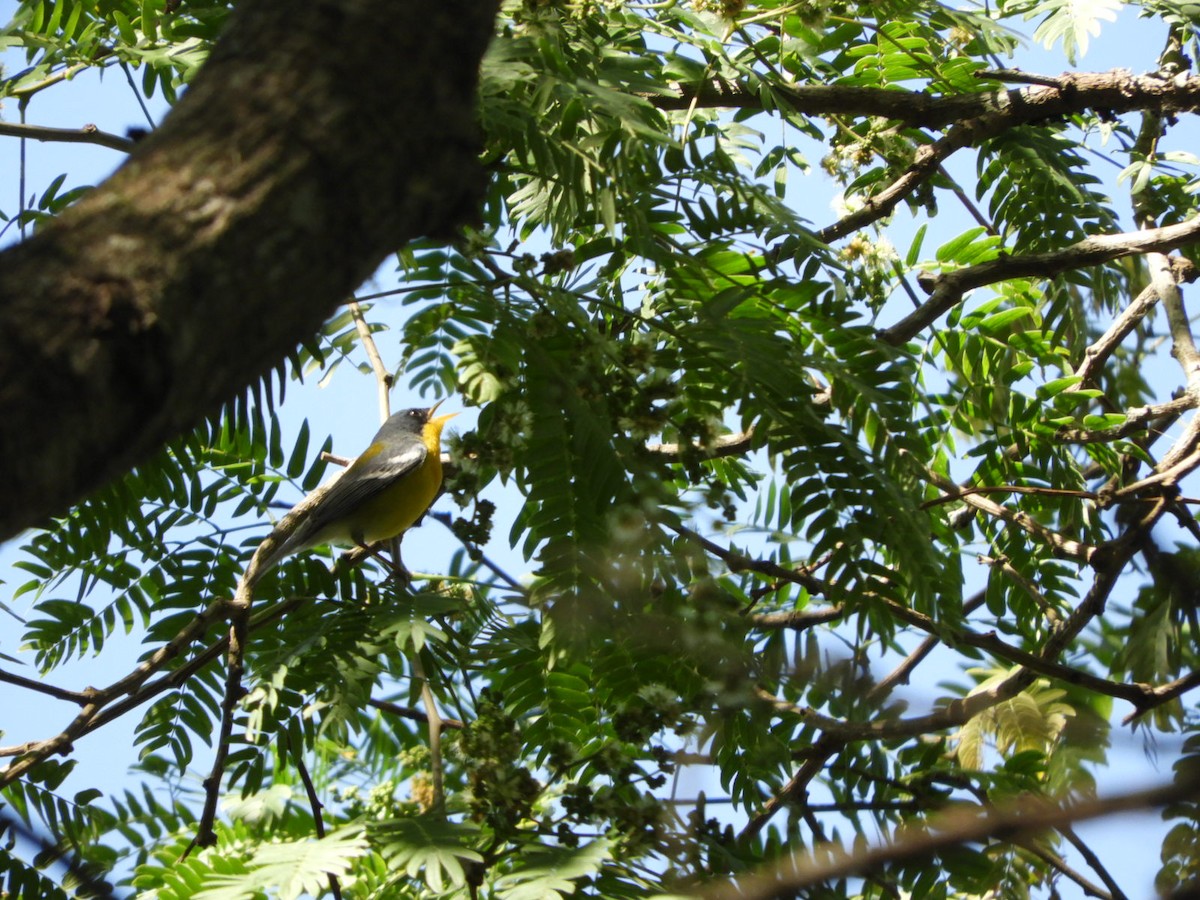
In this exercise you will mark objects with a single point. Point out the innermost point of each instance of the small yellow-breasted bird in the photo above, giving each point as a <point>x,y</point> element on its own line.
<point>378,496</point>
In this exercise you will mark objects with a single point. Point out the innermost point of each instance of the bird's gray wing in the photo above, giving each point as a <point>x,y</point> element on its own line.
<point>369,474</point>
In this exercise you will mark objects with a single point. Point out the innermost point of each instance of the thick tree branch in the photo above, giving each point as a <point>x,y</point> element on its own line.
<point>972,118</point>
<point>274,188</point>
<point>1047,97</point>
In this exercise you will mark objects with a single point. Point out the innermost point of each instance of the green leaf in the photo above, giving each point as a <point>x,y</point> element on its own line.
<point>428,847</point>
<point>290,869</point>
<point>552,873</point>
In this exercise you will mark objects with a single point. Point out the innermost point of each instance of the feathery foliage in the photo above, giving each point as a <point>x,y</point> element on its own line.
<point>741,475</point>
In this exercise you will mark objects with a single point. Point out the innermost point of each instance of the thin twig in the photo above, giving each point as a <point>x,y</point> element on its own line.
<point>383,378</point>
<point>407,712</point>
<point>1005,565</point>
<point>1056,862</point>
<point>1062,545</point>
<point>235,662</point>
<point>962,492</point>
<point>968,203</point>
<point>1096,355</point>
<point>479,556</point>
<point>434,719</point>
<point>316,806</point>
<point>77,697</point>
<point>904,670</point>
<point>1090,857</point>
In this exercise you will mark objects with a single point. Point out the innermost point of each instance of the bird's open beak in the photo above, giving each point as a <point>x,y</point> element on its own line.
<point>440,420</point>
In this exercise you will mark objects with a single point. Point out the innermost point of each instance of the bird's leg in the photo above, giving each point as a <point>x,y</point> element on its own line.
<point>399,572</point>
<point>394,563</point>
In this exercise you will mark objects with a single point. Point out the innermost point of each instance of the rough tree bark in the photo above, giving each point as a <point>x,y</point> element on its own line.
<point>318,137</point>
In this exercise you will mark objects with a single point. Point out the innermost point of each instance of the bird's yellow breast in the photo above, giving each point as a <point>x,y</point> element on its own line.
<point>395,509</point>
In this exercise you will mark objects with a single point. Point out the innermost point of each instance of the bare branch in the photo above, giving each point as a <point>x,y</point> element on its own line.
<point>798,619</point>
<point>88,134</point>
<point>1096,355</point>
<point>797,788</point>
<point>34,752</point>
<point>433,718</point>
<point>407,712</point>
<point>235,663</point>
<point>1056,862</point>
<point>946,290</point>
<point>1093,860</point>
<point>383,378</point>
<point>1049,97</point>
<point>725,445</point>
<point>1139,419</point>
<point>32,684</point>
<point>1164,693</point>
<point>1028,816</point>
<point>315,804</point>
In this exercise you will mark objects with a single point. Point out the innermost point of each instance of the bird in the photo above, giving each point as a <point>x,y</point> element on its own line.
<point>379,496</point>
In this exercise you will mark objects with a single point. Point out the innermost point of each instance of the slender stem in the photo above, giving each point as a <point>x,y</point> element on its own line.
<point>316,805</point>
<point>434,717</point>
<point>1090,857</point>
<point>383,378</point>
<point>407,712</point>
<point>78,697</point>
